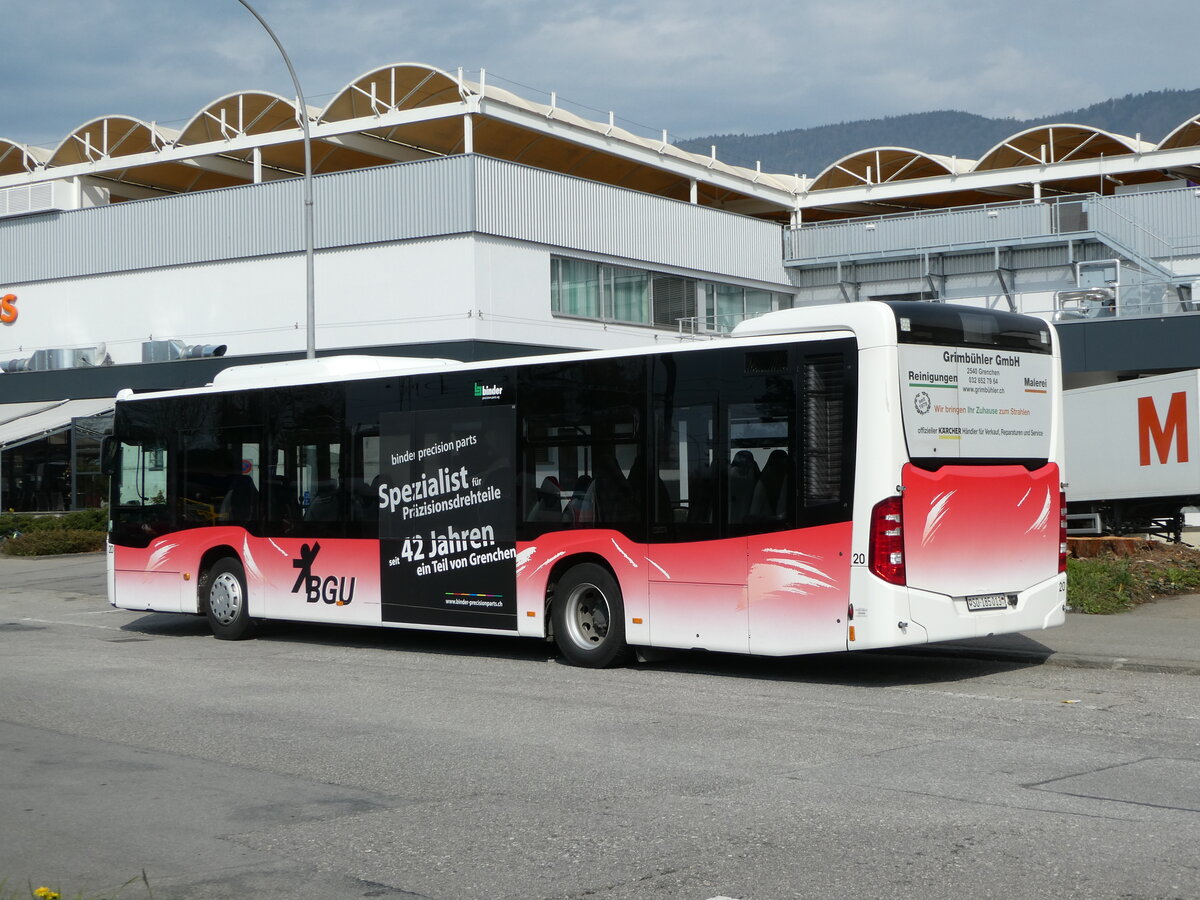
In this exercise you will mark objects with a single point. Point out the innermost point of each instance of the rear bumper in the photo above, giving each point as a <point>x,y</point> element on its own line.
<point>947,618</point>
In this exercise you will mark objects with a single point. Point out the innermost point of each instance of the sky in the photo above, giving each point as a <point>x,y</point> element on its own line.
<point>692,67</point>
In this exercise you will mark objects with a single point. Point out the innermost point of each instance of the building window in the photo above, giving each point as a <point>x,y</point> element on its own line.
<point>626,294</point>
<point>726,305</point>
<point>674,299</point>
<point>575,288</point>
<point>608,293</point>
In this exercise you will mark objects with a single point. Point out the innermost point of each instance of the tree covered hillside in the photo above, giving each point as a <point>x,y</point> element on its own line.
<point>945,132</point>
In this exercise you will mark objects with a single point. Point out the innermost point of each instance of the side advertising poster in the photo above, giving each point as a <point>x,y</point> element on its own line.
<point>979,404</point>
<point>447,518</point>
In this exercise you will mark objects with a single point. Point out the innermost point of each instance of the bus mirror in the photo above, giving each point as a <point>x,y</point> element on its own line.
<point>108,455</point>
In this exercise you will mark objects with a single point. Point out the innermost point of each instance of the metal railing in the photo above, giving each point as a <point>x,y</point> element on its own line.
<point>1133,298</point>
<point>709,327</point>
<point>1138,222</point>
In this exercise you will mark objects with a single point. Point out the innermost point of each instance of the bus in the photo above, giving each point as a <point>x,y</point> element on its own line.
<point>829,478</point>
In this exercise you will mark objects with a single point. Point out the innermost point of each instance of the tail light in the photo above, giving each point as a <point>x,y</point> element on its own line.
<point>887,541</point>
<point>1062,531</point>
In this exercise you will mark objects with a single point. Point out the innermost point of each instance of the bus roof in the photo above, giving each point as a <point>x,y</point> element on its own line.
<point>353,368</point>
<point>325,368</point>
<point>884,323</point>
<point>872,322</point>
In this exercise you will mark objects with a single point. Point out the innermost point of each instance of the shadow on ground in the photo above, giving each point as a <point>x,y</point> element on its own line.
<point>927,664</point>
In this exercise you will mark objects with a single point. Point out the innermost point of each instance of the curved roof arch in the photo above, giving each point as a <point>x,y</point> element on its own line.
<point>880,165</point>
<point>110,136</point>
<point>1057,143</point>
<point>1186,135</point>
<point>392,87</point>
<point>238,114</point>
<point>16,158</point>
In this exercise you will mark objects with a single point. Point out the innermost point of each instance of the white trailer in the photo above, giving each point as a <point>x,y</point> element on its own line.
<point>1133,455</point>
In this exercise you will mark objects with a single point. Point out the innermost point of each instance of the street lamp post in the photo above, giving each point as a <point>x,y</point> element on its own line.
<point>310,302</point>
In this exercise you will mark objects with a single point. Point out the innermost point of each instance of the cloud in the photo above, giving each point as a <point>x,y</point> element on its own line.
<point>698,67</point>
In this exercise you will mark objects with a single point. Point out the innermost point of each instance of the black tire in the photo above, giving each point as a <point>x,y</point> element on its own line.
<point>225,601</point>
<point>588,616</point>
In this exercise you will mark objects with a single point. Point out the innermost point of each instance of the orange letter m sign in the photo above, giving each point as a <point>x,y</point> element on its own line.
<point>1172,428</point>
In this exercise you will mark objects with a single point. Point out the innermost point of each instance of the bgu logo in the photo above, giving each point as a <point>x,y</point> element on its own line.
<point>8,309</point>
<point>1173,429</point>
<point>331,589</point>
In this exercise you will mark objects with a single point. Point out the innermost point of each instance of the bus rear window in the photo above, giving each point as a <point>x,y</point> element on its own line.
<point>957,326</point>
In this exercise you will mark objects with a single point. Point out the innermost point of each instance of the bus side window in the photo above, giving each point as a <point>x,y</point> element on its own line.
<point>575,480</point>
<point>365,478</point>
<point>582,457</point>
<point>317,466</point>
<point>143,470</point>
<point>140,487</point>
<point>309,485</point>
<point>282,507</point>
<point>220,476</point>
<point>761,483</point>
<point>827,408</point>
<point>312,476</point>
<point>685,481</point>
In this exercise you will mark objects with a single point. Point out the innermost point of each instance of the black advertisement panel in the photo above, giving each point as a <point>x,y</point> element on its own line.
<point>447,517</point>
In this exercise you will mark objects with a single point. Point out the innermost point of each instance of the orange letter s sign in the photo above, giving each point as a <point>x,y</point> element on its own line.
<point>8,309</point>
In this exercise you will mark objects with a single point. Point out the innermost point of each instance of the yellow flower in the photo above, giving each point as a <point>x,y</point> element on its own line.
<point>44,893</point>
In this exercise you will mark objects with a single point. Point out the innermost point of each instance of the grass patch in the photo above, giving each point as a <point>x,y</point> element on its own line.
<point>1110,584</point>
<point>23,534</point>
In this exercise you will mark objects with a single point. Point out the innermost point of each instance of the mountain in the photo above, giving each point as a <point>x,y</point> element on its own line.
<point>944,132</point>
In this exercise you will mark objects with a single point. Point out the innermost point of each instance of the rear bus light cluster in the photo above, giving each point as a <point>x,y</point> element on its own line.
<point>887,541</point>
<point>1062,531</point>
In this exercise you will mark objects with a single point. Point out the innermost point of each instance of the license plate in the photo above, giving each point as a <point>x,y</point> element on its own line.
<point>987,601</point>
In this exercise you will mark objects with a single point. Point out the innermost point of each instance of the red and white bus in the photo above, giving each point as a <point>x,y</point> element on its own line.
<point>829,478</point>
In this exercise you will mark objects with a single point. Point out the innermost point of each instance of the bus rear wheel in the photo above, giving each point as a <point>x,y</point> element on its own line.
<point>223,592</point>
<point>588,616</point>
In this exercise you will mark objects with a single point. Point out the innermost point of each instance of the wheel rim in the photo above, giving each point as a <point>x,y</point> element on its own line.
<point>225,598</point>
<point>587,616</point>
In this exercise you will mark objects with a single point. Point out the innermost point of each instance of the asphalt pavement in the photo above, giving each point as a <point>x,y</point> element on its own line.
<point>1162,636</point>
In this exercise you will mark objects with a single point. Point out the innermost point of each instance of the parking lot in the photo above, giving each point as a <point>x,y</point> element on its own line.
<point>315,763</point>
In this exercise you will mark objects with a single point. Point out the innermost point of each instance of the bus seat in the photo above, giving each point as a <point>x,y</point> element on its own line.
<point>363,501</point>
<point>240,503</point>
<point>324,504</point>
<point>611,497</point>
<point>701,489</point>
<point>574,513</point>
<point>548,505</point>
<point>663,507</point>
<point>743,478</point>
<point>770,503</point>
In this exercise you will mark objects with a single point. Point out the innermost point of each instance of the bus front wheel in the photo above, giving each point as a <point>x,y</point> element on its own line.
<point>589,617</point>
<point>223,591</point>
